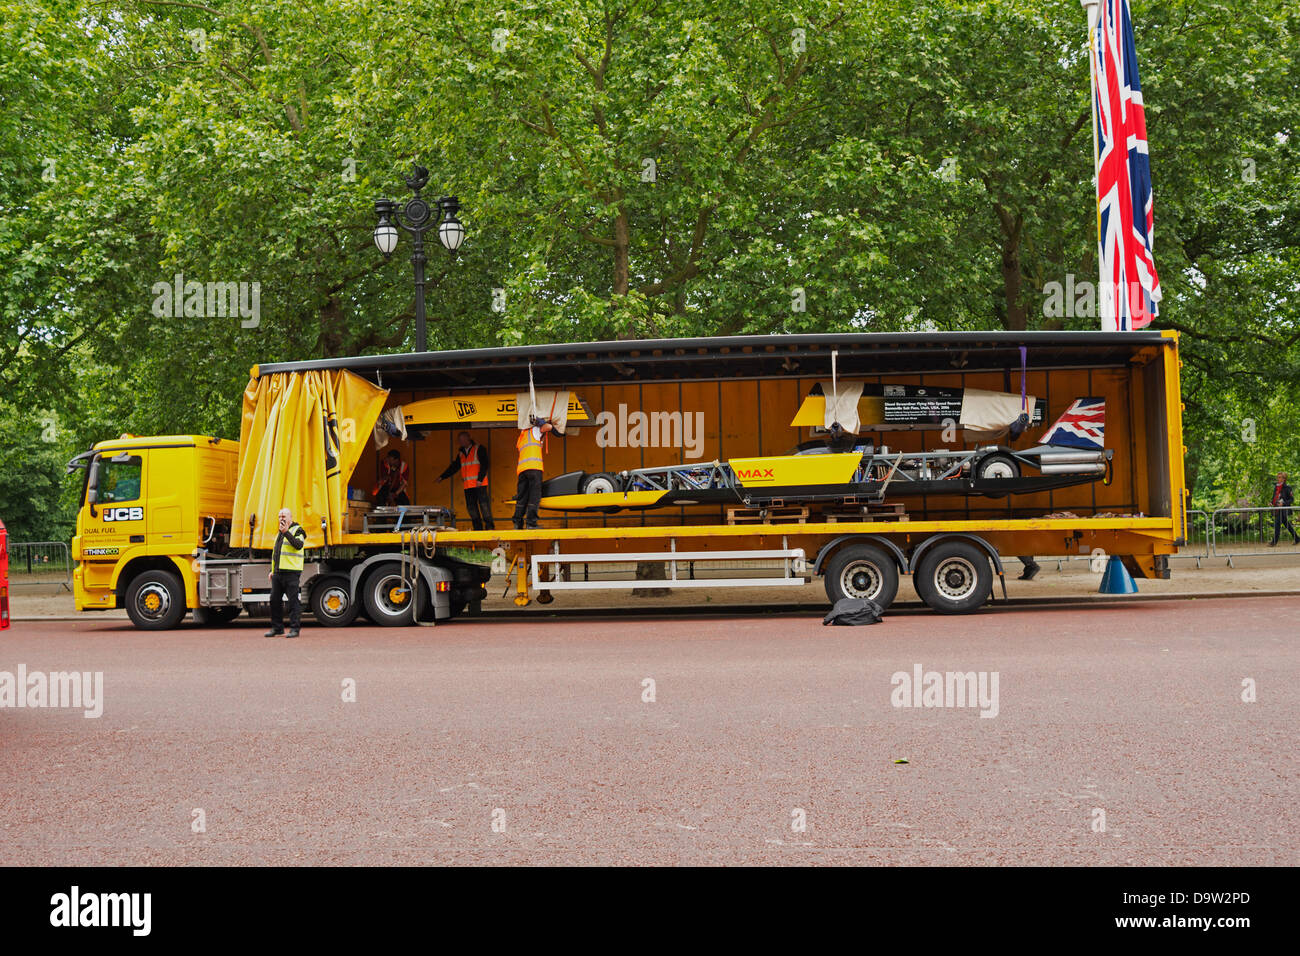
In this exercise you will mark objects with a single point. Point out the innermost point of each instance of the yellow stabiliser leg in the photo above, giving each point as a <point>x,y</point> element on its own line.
<point>521,595</point>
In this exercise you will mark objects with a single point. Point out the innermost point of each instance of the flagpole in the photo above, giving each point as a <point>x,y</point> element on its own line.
<point>1093,10</point>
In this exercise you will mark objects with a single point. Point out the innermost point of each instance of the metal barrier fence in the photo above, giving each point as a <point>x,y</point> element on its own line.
<point>1232,533</point>
<point>1238,532</point>
<point>40,563</point>
<point>1200,537</point>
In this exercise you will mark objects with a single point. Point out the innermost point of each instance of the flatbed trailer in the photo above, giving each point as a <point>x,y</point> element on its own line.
<point>875,553</point>
<point>953,548</point>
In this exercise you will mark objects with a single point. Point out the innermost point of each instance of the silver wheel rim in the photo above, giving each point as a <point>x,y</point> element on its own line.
<point>383,588</point>
<point>164,601</point>
<point>334,591</point>
<point>955,579</point>
<point>999,469</point>
<point>861,579</point>
<point>600,486</point>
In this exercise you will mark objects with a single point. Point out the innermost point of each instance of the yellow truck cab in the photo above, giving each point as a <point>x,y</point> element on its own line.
<point>153,537</point>
<point>149,506</point>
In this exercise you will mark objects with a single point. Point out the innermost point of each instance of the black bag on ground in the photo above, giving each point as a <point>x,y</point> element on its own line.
<point>852,611</point>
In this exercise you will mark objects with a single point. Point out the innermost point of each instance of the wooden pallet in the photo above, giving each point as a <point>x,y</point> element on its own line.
<point>407,516</point>
<point>782,514</point>
<point>887,511</point>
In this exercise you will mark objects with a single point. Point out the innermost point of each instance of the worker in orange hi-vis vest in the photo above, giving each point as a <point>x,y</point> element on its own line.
<point>528,493</point>
<point>472,463</point>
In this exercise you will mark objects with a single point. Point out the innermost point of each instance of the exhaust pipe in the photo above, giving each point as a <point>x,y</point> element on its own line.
<point>1073,468</point>
<point>1071,457</point>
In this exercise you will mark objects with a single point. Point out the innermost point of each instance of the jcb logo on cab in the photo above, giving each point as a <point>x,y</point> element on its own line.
<point>123,514</point>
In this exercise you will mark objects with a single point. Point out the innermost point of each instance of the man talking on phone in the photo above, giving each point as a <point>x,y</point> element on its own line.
<point>286,572</point>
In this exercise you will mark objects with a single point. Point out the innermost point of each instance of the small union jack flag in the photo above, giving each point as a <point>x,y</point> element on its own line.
<point>1082,426</point>
<point>1130,288</point>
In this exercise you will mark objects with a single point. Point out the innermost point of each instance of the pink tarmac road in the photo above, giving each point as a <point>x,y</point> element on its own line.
<point>493,741</point>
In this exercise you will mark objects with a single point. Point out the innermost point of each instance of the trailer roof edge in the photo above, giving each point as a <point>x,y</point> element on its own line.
<point>615,361</point>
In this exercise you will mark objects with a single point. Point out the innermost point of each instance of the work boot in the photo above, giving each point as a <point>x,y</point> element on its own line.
<point>293,632</point>
<point>273,632</point>
<point>1030,572</point>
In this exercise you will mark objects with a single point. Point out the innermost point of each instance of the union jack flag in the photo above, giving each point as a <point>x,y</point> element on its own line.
<point>1082,426</point>
<point>1130,288</point>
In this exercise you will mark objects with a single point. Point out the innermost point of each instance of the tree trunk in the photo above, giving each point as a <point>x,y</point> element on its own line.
<point>622,245</point>
<point>1016,318</point>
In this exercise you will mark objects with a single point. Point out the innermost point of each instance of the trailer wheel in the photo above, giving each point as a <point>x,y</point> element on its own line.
<point>389,596</point>
<point>862,571</point>
<point>155,601</point>
<point>997,466</point>
<point>332,603</point>
<point>601,483</point>
<point>953,577</point>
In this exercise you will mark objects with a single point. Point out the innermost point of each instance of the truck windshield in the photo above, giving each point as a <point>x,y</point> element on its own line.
<point>117,479</point>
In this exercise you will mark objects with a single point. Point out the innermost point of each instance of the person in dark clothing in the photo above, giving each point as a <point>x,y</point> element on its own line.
<point>394,478</point>
<point>1031,567</point>
<point>472,463</point>
<point>286,574</point>
<point>1283,498</point>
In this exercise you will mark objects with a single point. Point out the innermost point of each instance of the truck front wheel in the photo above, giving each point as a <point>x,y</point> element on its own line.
<point>155,600</point>
<point>862,571</point>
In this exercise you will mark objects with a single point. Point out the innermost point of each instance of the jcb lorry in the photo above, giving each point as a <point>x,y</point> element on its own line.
<point>179,523</point>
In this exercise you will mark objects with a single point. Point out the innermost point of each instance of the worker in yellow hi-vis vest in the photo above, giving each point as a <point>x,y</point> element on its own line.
<point>528,493</point>
<point>286,573</point>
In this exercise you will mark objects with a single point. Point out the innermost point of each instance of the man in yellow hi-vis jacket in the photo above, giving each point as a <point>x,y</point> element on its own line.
<point>286,573</point>
<point>528,492</point>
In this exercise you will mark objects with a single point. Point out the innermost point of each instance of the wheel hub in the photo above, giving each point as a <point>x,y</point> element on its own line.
<point>153,601</point>
<point>861,581</point>
<point>955,579</point>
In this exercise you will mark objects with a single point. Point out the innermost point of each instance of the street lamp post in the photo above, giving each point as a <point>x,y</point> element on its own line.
<point>417,217</point>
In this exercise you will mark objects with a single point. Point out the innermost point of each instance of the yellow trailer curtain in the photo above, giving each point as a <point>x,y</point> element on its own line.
<point>301,438</point>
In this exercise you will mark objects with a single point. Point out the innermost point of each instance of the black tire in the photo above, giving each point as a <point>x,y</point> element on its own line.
<point>155,600</point>
<point>215,616</point>
<point>953,577</point>
<point>601,483</point>
<point>332,601</point>
<point>997,467</point>
<point>386,603</point>
<point>862,571</point>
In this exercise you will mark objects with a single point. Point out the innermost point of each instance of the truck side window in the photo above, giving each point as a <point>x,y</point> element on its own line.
<point>119,480</point>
